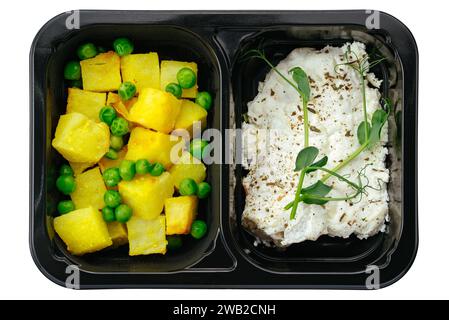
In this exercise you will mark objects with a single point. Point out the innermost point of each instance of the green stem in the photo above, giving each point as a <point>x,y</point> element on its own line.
<point>333,199</point>
<point>297,195</point>
<point>345,162</point>
<point>332,173</point>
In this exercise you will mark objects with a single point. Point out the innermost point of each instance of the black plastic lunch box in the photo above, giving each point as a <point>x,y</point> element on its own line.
<point>228,257</point>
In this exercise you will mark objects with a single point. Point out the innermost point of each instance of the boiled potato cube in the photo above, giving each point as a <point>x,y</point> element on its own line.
<point>86,102</point>
<point>89,190</point>
<point>102,72</point>
<point>142,70</point>
<point>191,114</point>
<point>153,146</point>
<point>146,236</point>
<point>83,231</point>
<point>169,70</point>
<point>80,139</point>
<point>146,194</point>
<point>187,167</point>
<point>106,163</point>
<point>79,167</point>
<point>155,109</point>
<point>122,107</point>
<point>118,233</point>
<point>180,213</point>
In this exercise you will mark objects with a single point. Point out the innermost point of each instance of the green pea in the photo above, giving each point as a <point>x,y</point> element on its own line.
<point>65,206</point>
<point>66,184</point>
<point>123,46</point>
<point>108,214</point>
<point>197,147</point>
<point>186,78</point>
<point>107,115</point>
<point>112,198</point>
<point>111,177</point>
<point>86,51</point>
<point>174,242</point>
<point>175,89</point>
<point>111,154</point>
<point>119,127</point>
<point>199,229</point>
<point>204,99</point>
<point>127,90</point>
<point>76,84</point>
<point>127,170</point>
<point>143,166</point>
<point>66,170</point>
<point>188,187</point>
<point>204,190</point>
<point>157,169</point>
<point>72,70</point>
<point>116,142</point>
<point>123,213</point>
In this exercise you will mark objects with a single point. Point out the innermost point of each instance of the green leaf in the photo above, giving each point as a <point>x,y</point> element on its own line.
<point>302,80</point>
<point>377,121</point>
<point>361,132</point>
<point>320,163</point>
<point>318,189</point>
<point>305,157</point>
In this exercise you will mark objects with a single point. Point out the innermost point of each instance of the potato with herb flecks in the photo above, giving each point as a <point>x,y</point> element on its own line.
<point>142,70</point>
<point>146,236</point>
<point>180,213</point>
<point>169,71</point>
<point>86,102</point>
<point>101,73</point>
<point>153,146</point>
<point>83,231</point>
<point>145,194</point>
<point>80,139</point>
<point>89,190</point>
<point>191,113</point>
<point>155,109</point>
<point>187,167</point>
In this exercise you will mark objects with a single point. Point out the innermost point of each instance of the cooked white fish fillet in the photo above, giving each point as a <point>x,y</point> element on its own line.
<point>274,135</point>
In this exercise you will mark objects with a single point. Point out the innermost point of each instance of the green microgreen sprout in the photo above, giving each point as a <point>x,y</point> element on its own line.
<point>368,135</point>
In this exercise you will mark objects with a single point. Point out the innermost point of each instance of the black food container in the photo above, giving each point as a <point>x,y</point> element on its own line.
<point>227,256</point>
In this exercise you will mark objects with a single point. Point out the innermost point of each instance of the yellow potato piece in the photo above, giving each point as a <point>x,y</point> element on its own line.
<point>187,167</point>
<point>122,107</point>
<point>180,213</point>
<point>146,236</point>
<point>79,167</point>
<point>106,163</point>
<point>86,102</point>
<point>146,194</point>
<point>118,233</point>
<point>155,109</point>
<point>80,139</point>
<point>169,70</point>
<point>191,113</point>
<point>83,231</point>
<point>142,70</point>
<point>101,73</point>
<point>90,189</point>
<point>153,146</point>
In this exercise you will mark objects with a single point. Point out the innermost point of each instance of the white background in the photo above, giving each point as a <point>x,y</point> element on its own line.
<point>428,278</point>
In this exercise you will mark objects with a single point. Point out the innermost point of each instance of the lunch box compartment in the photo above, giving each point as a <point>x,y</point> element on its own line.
<point>171,43</point>
<point>326,253</point>
<point>228,257</point>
